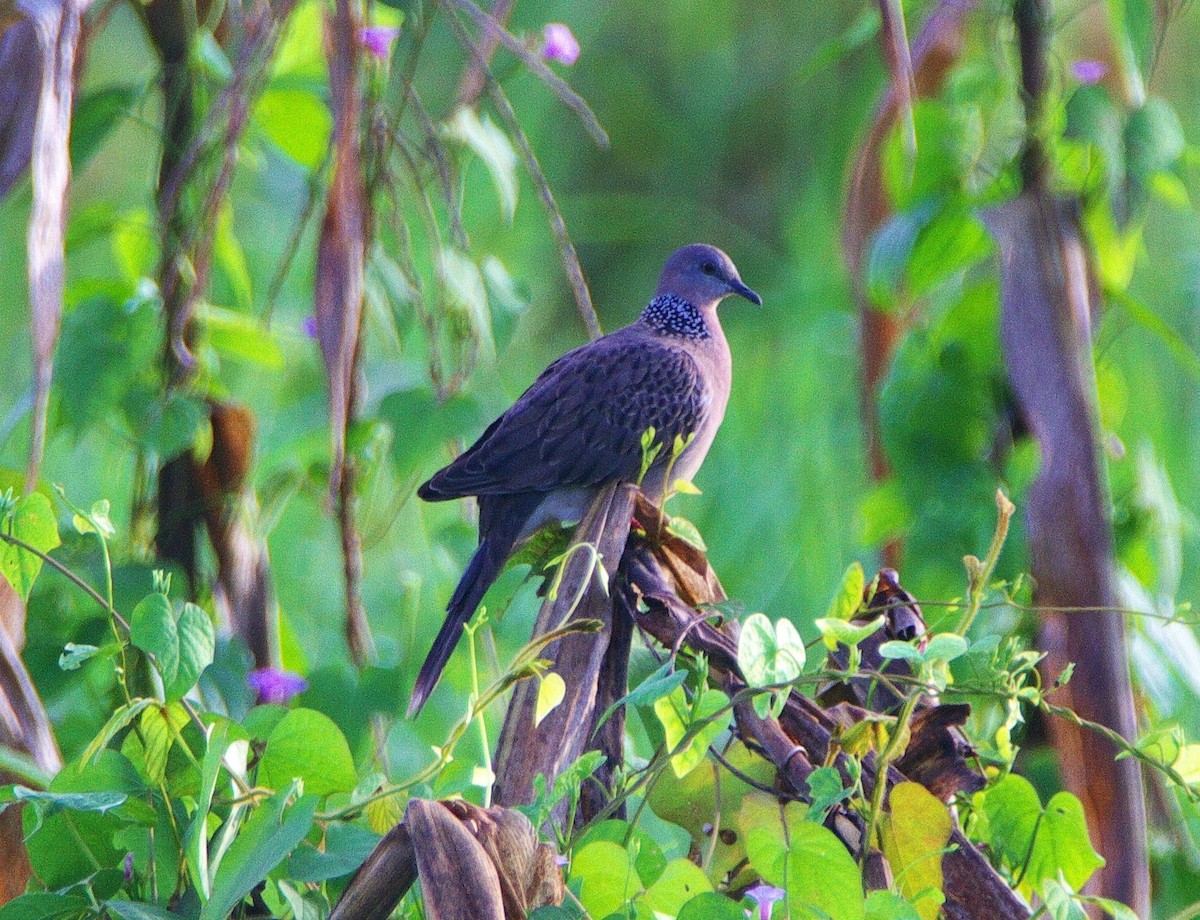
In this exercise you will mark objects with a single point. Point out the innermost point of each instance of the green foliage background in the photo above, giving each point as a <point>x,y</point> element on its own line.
<point>731,123</point>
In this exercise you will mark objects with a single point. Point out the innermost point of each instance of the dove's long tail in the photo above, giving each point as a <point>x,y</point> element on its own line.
<point>501,521</point>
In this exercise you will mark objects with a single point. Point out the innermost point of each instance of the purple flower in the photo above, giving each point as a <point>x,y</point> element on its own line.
<point>765,896</point>
<point>378,40</point>
<point>559,44</point>
<point>309,326</point>
<point>275,685</point>
<point>128,866</point>
<point>1089,71</point>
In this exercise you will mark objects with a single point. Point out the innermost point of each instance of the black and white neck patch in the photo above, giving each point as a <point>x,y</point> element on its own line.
<point>667,314</point>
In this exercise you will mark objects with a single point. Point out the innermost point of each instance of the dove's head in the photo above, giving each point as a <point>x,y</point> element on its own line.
<point>704,276</point>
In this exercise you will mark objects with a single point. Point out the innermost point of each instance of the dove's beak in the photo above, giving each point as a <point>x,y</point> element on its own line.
<point>737,287</point>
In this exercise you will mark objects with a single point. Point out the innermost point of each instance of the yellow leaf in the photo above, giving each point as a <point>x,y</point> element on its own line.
<point>914,836</point>
<point>550,694</point>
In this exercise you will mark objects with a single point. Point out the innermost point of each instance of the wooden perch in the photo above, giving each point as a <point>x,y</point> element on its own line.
<point>526,749</point>
<point>474,864</point>
<point>662,585</point>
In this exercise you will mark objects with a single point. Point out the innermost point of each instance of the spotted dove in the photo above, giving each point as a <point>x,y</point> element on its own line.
<point>579,427</point>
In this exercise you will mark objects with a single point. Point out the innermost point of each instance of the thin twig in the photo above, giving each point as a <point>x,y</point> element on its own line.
<point>558,225</point>
<point>489,26</point>
<point>68,574</point>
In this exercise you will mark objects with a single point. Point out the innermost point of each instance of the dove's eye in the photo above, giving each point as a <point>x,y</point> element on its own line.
<point>708,268</point>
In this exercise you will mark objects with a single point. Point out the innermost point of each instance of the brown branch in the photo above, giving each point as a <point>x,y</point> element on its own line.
<point>24,727</point>
<point>473,78</point>
<point>57,27</point>
<point>341,269</point>
<point>1048,296</point>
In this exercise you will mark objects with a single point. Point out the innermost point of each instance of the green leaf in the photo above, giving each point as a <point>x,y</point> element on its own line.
<point>298,122</point>
<point>75,655</point>
<point>492,146</point>
<point>153,629</point>
<point>945,647</point>
<point>607,877</point>
<point>270,834</point>
<point>95,115</point>
<point>117,721</point>
<point>825,790</point>
<point>849,596</point>
<point>346,848</point>
<point>914,835</point>
<point>237,335</point>
<point>711,906</point>
<point>950,243</point>
<point>1013,812</point>
<point>104,347</point>
<point>823,878</point>
<point>1062,845</point>
<point>551,692</point>
<point>675,714</point>
<point>887,905</point>
<point>166,425</point>
<point>766,829</point>
<point>687,531</point>
<point>680,881</point>
<point>1154,139</point>
<point>197,645</point>
<point>650,691</point>
<point>231,258</point>
<point>197,837</point>
<point>466,298</point>
<point>769,655</point>
<point>846,633</point>
<point>50,803</point>
<point>138,910</point>
<point>1061,903</point>
<point>44,905</point>
<point>158,727</point>
<point>647,856</point>
<point>307,745</point>
<point>31,520</point>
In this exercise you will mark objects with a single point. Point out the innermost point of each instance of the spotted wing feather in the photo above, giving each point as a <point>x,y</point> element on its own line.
<point>581,422</point>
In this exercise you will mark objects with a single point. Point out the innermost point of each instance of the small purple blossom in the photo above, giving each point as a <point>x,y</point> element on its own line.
<point>309,326</point>
<point>378,40</point>
<point>275,685</point>
<point>1089,71</point>
<point>559,44</point>
<point>765,896</point>
<point>128,867</point>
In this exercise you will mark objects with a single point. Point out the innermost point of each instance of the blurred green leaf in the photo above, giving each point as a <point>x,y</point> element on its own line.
<point>307,745</point>
<point>823,879</point>
<point>607,875</point>
<point>30,520</point>
<point>346,847</point>
<point>887,905</point>
<point>711,906</point>
<point>297,121</point>
<point>94,117</point>
<point>270,834</point>
<point>676,715</point>
<point>153,629</point>
<point>44,905</point>
<point>104,348</point>
<point>680,881</point>
<point>197,644</point>
<point>487,141</point>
